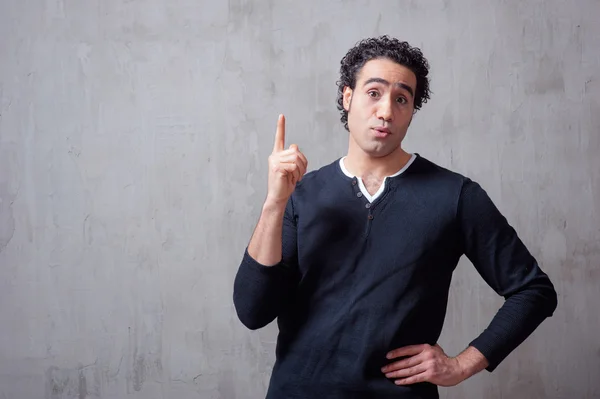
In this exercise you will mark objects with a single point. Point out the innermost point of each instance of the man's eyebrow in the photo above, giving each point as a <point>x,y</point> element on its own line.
<point>385,82</point>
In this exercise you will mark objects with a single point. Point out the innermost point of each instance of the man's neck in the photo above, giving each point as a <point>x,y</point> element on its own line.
<point>358,163</point>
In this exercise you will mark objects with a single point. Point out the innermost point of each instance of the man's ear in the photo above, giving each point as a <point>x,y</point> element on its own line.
<point>347,96</point>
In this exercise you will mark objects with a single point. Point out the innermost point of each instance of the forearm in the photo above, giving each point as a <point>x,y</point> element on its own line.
<point>260,292</point>
<point>268,274</point>
<point>516,320</point>
<point>265,245</point>
<point>471,362</point>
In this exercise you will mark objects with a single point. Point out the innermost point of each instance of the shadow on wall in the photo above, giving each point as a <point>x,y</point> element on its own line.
<point>72,383</point>
<point>95,381</point>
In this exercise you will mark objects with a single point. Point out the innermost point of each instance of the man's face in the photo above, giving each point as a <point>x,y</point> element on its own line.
<point>380,108</point>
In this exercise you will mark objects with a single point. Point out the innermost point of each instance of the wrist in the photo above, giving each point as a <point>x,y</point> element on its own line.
<point>462,370</point>
<point>274,205</point>
<point>470,362</point>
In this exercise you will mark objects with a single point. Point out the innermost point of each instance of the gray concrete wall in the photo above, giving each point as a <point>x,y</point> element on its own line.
<point>133,145</point>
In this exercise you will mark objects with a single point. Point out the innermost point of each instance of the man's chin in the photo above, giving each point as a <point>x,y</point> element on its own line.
<point>380,151</point>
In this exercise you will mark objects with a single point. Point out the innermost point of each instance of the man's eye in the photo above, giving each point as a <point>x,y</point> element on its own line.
<point>402,100</point>
<point>373,94</point>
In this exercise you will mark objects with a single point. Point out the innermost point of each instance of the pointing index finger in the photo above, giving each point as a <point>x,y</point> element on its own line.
<point>280,135</point>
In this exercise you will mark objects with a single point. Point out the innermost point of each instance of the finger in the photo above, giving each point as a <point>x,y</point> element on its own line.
<point>304,161</point>
<point>290,158</point>
<point>294,148</point>
<point>402,364</point>
<point>292,151</point>
<point>293,158</point>
<point>406,351</point>
<point>408,372</point>
<point>289,151</point>
<point>421,377</point>
<point>296,158</point>
<point>280,135</point>
<point>287,168</point>
<point>297,173</point>
<point>291,172</point>
<point>302,171</point>
<point>291,179</point>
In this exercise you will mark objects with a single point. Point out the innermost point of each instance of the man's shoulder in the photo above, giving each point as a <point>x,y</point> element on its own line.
<point>423,167</point>
<point>443,178</point>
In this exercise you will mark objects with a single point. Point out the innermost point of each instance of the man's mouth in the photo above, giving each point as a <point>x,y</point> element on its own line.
<point>381,131</point>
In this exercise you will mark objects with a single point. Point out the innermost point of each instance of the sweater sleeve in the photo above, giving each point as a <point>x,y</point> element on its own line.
<point>260,292</point>
<point>504,262</point>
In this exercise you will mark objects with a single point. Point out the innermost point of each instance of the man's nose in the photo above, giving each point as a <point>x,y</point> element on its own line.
<point>384,110</point>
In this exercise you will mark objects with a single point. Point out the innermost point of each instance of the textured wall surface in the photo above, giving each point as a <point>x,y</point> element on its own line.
<point>134,136</point>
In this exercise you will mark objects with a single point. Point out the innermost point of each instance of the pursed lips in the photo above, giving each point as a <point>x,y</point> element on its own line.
<point>382,129</point>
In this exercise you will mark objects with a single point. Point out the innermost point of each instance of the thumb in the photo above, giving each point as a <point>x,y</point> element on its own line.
<point>294,147</point>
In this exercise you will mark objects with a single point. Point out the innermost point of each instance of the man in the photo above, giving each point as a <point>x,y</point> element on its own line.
<point>355,259</point>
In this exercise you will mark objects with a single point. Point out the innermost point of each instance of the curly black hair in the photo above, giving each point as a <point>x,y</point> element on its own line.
<point>383,47</point>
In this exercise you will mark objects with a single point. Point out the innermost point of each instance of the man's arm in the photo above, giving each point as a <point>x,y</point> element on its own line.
<point>504,262</point>
<point>268,273</point>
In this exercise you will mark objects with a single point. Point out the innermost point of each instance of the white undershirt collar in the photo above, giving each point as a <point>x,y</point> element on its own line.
<point>361,185</point>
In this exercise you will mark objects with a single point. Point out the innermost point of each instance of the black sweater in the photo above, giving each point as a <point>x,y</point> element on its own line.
<point>359,279</point>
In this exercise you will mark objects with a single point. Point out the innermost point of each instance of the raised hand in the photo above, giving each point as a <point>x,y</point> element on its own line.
<point>286,167</point>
